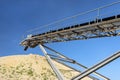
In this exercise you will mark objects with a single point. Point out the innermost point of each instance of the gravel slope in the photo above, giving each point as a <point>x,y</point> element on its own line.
<point>31,67</point>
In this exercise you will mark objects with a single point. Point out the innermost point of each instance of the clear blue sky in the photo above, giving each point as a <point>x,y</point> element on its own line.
<point>18,16</point>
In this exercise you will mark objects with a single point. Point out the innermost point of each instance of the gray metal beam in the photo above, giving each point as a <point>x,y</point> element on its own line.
<point>57,72</point>
<point>75,69</point>
<point>75,62</point>
<point>97,66</point>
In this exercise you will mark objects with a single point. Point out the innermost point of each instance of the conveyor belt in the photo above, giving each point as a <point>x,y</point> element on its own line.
<point>98,27</point>
<point>105,27</point>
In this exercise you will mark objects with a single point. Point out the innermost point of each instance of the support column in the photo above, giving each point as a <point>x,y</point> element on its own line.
<point>74,62</point>
<point>57,72</point>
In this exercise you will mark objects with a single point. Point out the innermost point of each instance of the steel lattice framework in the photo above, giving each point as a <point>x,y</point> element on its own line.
<point>105,27</point>
<point>100,27</point>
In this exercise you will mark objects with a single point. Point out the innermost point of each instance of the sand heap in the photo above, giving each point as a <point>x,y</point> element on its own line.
<point>31,67</point>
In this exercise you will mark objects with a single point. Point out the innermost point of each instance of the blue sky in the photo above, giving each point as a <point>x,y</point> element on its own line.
<point>19,16</point>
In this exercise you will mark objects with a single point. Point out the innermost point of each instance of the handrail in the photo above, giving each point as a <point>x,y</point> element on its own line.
<point>83,13</point>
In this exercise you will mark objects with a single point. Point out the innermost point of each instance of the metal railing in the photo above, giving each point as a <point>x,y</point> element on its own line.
<point>78,18</point>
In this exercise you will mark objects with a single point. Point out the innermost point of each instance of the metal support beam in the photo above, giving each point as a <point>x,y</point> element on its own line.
<point>93,78</point>
<point>97,66</point>
<point>74,62</point>
<point>57,72</point>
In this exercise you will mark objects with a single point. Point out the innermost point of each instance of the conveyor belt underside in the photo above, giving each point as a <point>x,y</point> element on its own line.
<point>105,27</point>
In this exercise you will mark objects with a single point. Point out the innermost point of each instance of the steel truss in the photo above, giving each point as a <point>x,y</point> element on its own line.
<point>99,27</point>
<point>105,27</point>
<point>62,59</point>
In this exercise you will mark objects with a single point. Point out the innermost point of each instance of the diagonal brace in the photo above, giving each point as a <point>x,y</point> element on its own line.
<point>97,66</point>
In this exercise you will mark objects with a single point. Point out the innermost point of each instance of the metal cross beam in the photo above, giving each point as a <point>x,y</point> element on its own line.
<point>60,58</point>
<point>97,66</point>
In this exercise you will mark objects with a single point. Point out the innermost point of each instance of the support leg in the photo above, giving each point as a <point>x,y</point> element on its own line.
<point>57,72</point>
<point>97,66</point>
<point>75,62</point>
